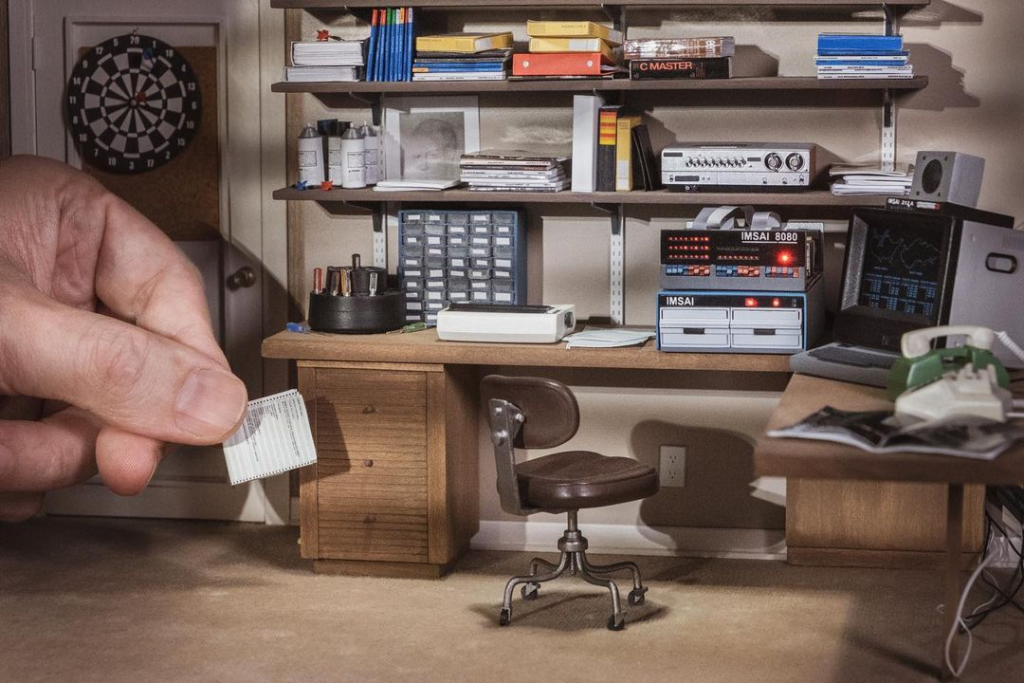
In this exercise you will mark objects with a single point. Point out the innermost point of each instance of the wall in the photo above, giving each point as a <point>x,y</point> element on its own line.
<point>974,103</point>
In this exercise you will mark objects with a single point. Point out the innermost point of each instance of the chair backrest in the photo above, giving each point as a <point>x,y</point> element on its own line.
<point>525,412</point>
<point>551,413</point>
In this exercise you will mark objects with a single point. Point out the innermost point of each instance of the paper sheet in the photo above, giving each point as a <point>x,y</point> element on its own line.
<point>274,437</point>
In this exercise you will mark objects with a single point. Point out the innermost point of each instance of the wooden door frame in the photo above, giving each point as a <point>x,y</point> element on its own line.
<point>255,169</point>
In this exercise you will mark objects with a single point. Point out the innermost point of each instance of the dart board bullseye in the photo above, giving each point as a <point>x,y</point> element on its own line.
<point>133,104</point>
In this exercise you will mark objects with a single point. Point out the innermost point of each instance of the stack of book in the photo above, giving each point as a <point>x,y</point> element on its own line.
<point>462,57</point>
<point>709,57</point>
<point>389,56</point>
<point>856,55</point>
<point>513,171</point>
<point>870,180</point>
<point>568,49</point>
<point>326,59</point>
<point>610,150</point>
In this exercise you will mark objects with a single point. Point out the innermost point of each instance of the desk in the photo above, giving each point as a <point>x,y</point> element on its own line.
<point>394,418</point>
<point>395,423</point>
<point>819,460</point>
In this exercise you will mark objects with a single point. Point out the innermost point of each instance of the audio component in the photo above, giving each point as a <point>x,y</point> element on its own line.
<point>948,177</point>
<point>739,322</point>
<point>782,260</point>
<point>774,166</point>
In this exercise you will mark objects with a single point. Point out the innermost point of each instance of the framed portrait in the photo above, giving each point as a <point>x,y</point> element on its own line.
<point>424,137</point>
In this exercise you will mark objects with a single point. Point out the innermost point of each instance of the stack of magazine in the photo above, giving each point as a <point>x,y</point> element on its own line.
<point>513,171</point>
<point>463,57</point>
<point>870,180</point>
<point>860,56</point>
<point>325,60</point>
<point>966,436</point>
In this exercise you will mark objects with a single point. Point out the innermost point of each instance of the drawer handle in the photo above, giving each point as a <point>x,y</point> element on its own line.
<point>369,519</point>
<point>367,463</point>
<point>369,409</point>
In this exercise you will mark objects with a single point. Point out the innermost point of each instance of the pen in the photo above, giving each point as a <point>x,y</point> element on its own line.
<point>318,280</point>
<point>335,286</point>
<point>373,283</point>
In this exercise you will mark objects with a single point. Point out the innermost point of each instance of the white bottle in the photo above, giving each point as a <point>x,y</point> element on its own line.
<point>311,156</point>
<point>372,144</point>
<point>335,163</point>
<point>353,152</point>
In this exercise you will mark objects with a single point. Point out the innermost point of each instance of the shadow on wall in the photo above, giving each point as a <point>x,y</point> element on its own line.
<point>945,82</point>
<point>941,12</point>
<point>719,470</point>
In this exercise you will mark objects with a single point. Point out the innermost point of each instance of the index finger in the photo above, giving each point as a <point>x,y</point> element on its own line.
<point>140,274</point>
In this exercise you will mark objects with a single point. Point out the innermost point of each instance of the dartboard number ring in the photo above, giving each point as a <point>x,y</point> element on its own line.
<point>133,104</point>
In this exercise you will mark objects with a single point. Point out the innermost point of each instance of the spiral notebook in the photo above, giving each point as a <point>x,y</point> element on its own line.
<point>274,437</point>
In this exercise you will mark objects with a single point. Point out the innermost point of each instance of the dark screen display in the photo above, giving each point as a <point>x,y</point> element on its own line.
<point>901,270</point>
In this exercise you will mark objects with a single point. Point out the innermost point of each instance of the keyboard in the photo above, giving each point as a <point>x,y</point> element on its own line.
<point>850,355</point>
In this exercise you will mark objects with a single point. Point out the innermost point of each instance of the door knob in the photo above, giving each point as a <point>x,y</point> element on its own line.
<point>243,277</point>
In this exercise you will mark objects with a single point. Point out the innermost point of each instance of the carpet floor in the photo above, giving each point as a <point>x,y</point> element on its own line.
<point>133,600</point>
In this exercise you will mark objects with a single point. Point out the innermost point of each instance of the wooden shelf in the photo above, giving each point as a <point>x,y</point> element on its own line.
<point>425,347</point>
<point>618,84</point>
<point>343,4</point>
<point>661,197</point>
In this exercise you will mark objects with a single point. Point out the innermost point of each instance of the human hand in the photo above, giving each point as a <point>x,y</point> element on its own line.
<point>98,310</point>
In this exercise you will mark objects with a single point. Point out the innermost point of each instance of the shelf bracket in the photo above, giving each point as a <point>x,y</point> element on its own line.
<point>888,150</point>
<point>617,15</point>
<point>891,19</point>
<point>380,236</point>
<point>616,261</point>
<point>374,103</point>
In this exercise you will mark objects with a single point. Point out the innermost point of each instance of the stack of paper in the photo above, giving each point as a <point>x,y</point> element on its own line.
<point>868,180</point>
<point>513,171</point>
<point>313,74</point>
<point>415,185</point>
<point>597,338</point>
<point>327,53</point>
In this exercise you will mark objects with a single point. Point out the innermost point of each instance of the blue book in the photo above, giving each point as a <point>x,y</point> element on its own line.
<point>409,44</point>
<point>856,42</point>
<point>859,62</point>
<point>372,46</point>
<point>392,40</point>
<point>459,67</point>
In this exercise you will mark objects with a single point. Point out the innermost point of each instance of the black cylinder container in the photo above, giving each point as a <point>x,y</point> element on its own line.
<point>358,314</point>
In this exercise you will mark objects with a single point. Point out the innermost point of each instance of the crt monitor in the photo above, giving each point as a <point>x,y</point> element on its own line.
<point>896,276</point>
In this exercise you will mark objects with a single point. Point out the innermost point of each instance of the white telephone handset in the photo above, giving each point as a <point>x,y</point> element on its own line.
<point>919,342</point>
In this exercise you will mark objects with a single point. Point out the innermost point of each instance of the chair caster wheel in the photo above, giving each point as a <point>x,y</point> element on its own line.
<point>636,596</point>
<point>530,591</point>
<point>616,622</point>
<point>505,618</point>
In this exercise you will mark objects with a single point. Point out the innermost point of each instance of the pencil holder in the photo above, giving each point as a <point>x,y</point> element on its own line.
<point>358,314</point>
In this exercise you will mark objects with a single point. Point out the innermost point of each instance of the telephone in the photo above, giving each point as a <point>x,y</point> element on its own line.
<point>933,383</point>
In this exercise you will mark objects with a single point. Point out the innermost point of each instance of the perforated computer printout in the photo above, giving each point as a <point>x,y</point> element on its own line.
<point>274,437</point>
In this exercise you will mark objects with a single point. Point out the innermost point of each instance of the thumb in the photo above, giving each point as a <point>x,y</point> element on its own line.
<point>139,381</point>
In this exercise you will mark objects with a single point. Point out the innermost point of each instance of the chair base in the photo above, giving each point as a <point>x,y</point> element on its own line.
<point>573,546</point>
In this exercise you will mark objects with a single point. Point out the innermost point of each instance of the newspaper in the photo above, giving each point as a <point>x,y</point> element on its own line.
<point>884,432</point>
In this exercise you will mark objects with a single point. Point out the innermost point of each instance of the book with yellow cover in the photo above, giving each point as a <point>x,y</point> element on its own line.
<point>572,29</point>
<point>545,45</point>
<point>464,42</point>
<point>624,152</point>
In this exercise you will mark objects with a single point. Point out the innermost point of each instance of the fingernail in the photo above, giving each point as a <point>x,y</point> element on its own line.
<point>210,404</point>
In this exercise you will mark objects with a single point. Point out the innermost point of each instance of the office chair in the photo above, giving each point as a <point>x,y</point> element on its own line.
<point>531,412</point>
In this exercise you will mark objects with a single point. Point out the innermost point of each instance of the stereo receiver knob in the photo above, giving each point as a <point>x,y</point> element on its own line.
<point>773,161</point>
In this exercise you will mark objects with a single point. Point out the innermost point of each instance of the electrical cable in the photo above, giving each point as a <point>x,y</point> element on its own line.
<point>981,612</point>
<point>959,622</point>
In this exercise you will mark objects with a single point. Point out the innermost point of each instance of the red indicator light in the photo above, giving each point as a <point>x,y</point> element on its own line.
<point>750,302</point>
<point>776,303</point>
<point>785,258</point>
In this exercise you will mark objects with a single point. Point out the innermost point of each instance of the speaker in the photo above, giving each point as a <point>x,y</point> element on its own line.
<point>948,177</point>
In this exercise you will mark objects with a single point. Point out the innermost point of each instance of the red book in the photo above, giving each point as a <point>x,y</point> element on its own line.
<point>558,64</point>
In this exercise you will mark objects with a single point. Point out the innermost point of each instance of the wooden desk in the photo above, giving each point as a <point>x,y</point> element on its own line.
<point>395,422</point>
<point>803,460</point>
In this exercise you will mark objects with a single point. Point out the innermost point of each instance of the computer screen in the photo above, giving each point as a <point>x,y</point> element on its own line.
<point>895,276</point>
<point>900,271</point>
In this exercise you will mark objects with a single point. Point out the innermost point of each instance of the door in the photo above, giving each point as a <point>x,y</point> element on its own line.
<point>208,199</point>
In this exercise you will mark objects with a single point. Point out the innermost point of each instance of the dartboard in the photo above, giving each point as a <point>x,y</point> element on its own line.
<point>133,104</point>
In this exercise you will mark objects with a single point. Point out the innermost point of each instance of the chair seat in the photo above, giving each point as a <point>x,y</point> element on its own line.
<point>582,479</point>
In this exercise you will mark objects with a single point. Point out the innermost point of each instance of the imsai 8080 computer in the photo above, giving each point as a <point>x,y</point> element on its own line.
<point>741,290</point>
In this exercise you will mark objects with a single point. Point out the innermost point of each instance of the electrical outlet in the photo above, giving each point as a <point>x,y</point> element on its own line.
<point>672,466</point>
